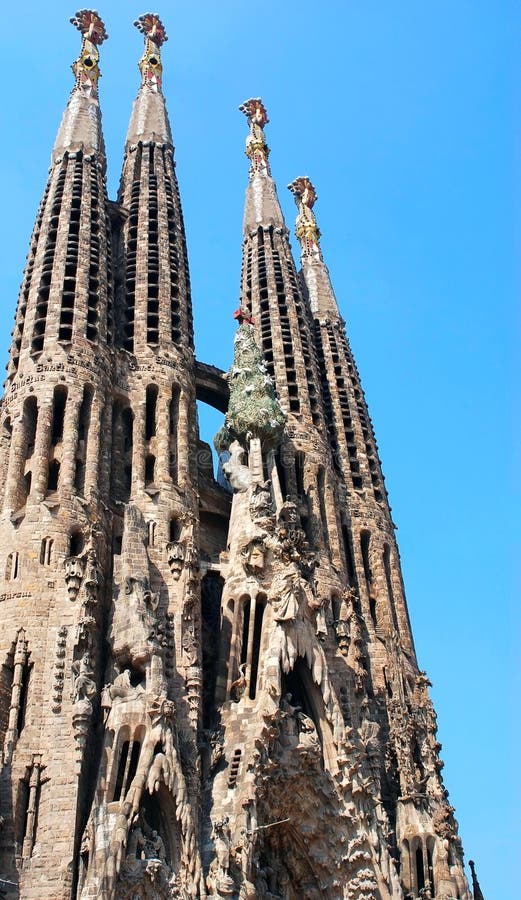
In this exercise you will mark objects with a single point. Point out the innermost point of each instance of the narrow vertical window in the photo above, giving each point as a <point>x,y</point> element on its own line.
<point>58,414</point>
<point>150,411</point>
<point>257,638</point>
<point>173,428</point>
<point>46,551</point>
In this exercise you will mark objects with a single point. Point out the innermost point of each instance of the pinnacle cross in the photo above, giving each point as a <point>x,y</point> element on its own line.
<point>150,64</point>
<point>86,68</point>
<point>306,229</point>
<point>257,149</point>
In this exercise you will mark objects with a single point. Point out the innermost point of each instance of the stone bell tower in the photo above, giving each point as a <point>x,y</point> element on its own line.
<point>55,521</point>
<point>208,687</point>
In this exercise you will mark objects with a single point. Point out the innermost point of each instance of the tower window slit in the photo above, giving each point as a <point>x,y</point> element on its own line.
<point>420,874</point>
<point>122,765</point>
<point>132,768</point>
<point>245,630</point>
<point>365,538</point>
<point>150,467</point>
<point>173,427</point>
<point>257,638</point>
<point>46,551</point>
<point>58,414</point>
<point>150,411</point>
<point>53,476</point>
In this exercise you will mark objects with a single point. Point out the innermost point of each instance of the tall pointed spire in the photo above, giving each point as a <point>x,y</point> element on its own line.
<point>262,204</point>
<point>81,123</point>
<point>157,283</point>
<point>66,294</point>
<point>149,120</point>
<point>321,295</point>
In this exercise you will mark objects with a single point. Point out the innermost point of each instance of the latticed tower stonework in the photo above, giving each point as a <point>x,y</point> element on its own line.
<point>207,687</point>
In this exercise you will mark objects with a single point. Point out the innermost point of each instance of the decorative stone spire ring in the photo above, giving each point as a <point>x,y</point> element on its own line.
<point>257,149</point>
<point>150,63</point>
<point>86,67</point>
<point>306,229</point>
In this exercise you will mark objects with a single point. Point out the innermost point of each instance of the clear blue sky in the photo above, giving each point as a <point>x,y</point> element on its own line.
<point>403,116</point>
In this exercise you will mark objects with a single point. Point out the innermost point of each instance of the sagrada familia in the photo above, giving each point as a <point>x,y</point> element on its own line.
<point>208,686</point>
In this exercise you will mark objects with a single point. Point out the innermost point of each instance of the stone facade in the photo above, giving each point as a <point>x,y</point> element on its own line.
<point>207,687</point>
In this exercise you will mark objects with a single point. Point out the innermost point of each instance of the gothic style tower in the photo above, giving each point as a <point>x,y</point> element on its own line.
<point>207,687</point>
<point>55,522</point>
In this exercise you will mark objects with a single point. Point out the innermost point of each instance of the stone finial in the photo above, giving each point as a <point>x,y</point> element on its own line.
<point>150,65</point>
<point>307,230</point>
<point>257,149</point>
<point>86,67</point>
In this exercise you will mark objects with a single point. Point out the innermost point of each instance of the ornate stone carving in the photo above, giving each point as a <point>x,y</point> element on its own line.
<point>74,568</point>
<point>176,557</point>
<point>253,556</point>
<point>59,668</point>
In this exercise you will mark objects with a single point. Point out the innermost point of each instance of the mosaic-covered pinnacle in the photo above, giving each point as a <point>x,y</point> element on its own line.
<point>306,229</point>
<point>152,27</point>
<point>86,67</point>
<point>91,26</point>
<point>257,149</point>
<point>321,296</point>
<point>150,65</point>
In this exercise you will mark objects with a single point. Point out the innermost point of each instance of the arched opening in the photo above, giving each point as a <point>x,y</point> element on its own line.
<point>158,812</point>
<point>22,701</point>
<point>151,534</point>
<point>150,469</point>
<point>76,543</point>
<point>150,411</point>
<point>420,874</point>
<point>365,538</point>
<point>348,554</point>
<point>173,427</point>
<point>11,566</point>
<point>260,605</point>
<point>58,414</point>
<point>174,529</point>
<point>305,693</point>
<point>246,606</point>
<point>81,447</point>
<point>54,474</point>
<point>211,593</point>
<point>122,442</point>
<point>336,607</point>
<point>46,551</point>
<point>122,768</point>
